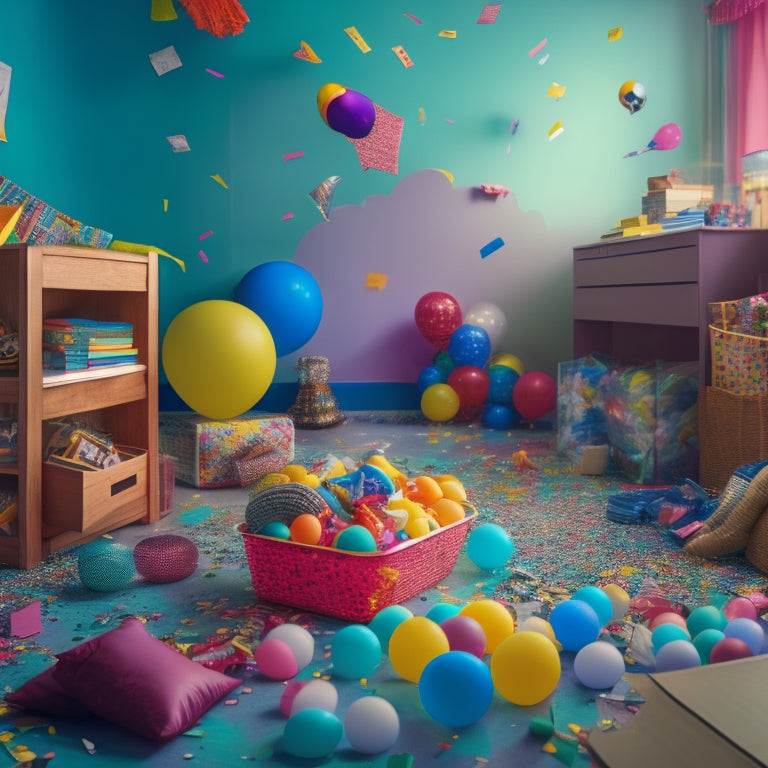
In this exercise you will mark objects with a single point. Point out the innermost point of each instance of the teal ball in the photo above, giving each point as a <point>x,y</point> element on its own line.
<point>355,538</point>
<point>105,566</point>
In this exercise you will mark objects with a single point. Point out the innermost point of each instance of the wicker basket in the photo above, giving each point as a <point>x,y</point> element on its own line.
<point>739,362</point>
<point>733,431</point>
<point>353,586</point>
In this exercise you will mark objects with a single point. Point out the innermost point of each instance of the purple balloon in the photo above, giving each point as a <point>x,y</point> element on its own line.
<point>740,608</point>
<point>352,114</point>
<point>465,634</point>
<point>748,630</point>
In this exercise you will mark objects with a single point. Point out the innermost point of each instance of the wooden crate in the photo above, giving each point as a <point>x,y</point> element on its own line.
<point>76,500</point>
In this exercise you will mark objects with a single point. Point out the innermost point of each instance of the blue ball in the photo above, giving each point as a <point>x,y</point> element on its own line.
<point>677,654</point>
<point>429,376</point>
<point>312,733</point>
<point>599,600</point>
<point>500,416</point>
<point>287,298</point>
<point>575,624</point>
<point>384,623</point>
<point>469,345</point>
<point>748,630</point>
<point>489,546</point>
<point>441,611</point>
<point>355,652</point>
<point>666,633</point>
<point>105,566</point>
<point>456,688</point>
<point>502,380</point>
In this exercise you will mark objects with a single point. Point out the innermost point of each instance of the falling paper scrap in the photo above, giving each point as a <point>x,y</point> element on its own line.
<point>357,39</point>
<point>165,60</point>
<point>179,143</point>
<point>307,54</point>
<point>555,130</point>
<point>322,194</point>
<point>489,14</point>
<point>5,85</point>
<point>556,91</point>
<point>538,48</point>
<point>615,33</point>
<point>494,189</point>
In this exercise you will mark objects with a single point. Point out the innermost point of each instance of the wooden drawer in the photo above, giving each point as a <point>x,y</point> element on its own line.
<point>679,265</point>
<point>76,500</point>
<point>651,304</point>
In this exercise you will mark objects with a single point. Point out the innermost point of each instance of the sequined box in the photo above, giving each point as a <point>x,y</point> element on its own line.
<point>205,450</point>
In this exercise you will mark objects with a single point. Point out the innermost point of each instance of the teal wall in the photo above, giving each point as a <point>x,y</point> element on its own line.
<point>88,116</point>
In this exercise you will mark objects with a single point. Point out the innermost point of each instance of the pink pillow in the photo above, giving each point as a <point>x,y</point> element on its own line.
<point>43,694</point>
<point>134,680</point>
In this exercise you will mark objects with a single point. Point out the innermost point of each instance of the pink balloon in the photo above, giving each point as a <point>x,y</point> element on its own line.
<point>740,608</point>
<point>276,659</point>
<point>667,137</point>
<point>465,634</point>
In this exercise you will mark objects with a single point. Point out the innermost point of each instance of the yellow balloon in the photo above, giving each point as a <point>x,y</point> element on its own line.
<point>619,600</point>
<point>439,402</point>
<point>525,668</point>
<point>326,95</point>
<point>510,361</point>
<point>219,357</point>
<point>413,644</point>
<point>497,621</point>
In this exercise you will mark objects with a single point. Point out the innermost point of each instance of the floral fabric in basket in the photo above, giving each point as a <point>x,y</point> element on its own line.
<point>739,362</point>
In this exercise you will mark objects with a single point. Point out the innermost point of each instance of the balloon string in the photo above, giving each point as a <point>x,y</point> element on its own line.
<point>637,152</point>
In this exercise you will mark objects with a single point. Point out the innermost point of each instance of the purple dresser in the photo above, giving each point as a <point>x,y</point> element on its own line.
<point>646,298</point>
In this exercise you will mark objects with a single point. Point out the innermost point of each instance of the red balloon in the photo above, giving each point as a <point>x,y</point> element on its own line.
<point>437,316</point>
<point>471,384</point>
<point>534,395</point>
<point>729,649</point>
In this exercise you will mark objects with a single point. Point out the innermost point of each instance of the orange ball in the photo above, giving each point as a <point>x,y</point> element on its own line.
<point>306,529</point>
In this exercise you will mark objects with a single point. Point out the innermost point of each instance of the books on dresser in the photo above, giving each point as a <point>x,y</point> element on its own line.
<point>76,344</point>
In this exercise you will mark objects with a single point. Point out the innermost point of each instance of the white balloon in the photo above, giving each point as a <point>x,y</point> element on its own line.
<point>371,725</point>
<point>299,639</point>
<point>599,665</point>
<point>316,694</point>
<point>491,319</point>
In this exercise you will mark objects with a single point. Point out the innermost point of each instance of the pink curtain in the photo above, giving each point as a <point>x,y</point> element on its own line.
<point>746,128</point>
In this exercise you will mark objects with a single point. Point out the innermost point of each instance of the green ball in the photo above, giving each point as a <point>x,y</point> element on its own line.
<point>105,566</point>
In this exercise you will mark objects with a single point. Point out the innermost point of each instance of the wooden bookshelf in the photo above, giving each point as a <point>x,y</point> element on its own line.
<point>67,281</point>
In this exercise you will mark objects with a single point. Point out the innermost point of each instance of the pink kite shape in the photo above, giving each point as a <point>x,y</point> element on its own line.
<point>381,147</point>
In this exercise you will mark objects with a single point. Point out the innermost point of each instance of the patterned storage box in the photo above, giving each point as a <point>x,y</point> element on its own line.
<point>205,451</point>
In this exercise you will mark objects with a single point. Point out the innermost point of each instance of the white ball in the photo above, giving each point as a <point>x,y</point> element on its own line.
<point>677,654</point>
<point>298,639</point>
<point>371,725</point>
<point>599,665</point>
<point>491,319</point>
<point>315,694</point>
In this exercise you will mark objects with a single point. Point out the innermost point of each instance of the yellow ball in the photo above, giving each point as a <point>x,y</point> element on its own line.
<point>219,357</point>
<point>497,621</point>
<point>510,361</point>
<point>525,668</point>
<point>413,644</point>
<point>619,600</point>
<point>439,402</point>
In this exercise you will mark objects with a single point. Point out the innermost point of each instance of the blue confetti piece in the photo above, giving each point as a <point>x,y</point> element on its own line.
<point>196,516</point>
<point>489,248</point>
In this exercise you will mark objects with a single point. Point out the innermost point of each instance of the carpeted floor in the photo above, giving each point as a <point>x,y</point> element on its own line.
<point>563,541</point>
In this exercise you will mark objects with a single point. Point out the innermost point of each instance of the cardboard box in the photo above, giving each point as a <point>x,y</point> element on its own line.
<point>205,450</point>
<point>706,716</point>
<point>76,498</point>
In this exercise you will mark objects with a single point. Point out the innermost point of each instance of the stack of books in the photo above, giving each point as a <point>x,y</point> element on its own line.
<point>76,344</point>
<point>666,194</point>
<point>632,226</point>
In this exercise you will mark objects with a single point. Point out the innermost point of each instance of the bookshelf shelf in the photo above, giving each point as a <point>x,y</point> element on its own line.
<point>65,281</point>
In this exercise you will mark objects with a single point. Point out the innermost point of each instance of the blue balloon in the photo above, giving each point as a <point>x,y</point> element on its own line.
<point>441,611</point>
<point>748,630</point>
<point>470,345</point>
<point>489,546</point>
<point>384,623</point>
<point>599,600</point>
<point>312,733</point>
<point>456,688</point>
<point>502,380</point>
<point>575,624</point>
<point>355,652</point>
<point>500,417</point>
<point>429,376</point>
<point>677,654</point>
<point>287,298</point>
